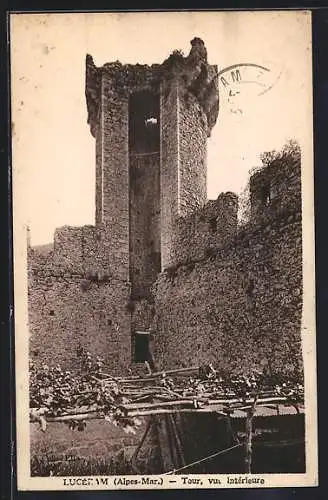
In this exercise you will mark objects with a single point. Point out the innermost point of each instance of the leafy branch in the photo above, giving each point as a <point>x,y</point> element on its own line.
<point>92,393</point>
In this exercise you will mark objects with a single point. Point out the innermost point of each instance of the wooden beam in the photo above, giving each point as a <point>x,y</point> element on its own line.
<point>249,437</point>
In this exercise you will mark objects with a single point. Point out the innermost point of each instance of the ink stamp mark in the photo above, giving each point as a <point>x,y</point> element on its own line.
<point>243,81</point>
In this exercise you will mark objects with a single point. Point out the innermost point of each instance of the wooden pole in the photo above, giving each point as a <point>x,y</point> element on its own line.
<point>249,435</point>
<point>137,413</point>
<point>170,406</point>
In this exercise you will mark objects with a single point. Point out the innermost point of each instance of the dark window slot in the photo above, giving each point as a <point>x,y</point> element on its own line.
<point>141,348</point>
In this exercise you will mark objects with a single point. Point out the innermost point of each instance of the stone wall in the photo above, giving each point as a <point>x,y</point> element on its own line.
<point>114,170</point>
<point>77,298</point>
<point>183,160</point>
<point>197,235</point>
<point>77,251</point>
<point>192,154</point>
<point>239,307</point>
<point>69,311</point>
<point>169,167</point>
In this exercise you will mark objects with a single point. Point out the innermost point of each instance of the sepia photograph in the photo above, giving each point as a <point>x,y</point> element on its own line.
<point>163,224</point>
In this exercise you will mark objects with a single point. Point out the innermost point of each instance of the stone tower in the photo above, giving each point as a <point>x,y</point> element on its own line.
<point>151,125</point>
<point>94,286</point>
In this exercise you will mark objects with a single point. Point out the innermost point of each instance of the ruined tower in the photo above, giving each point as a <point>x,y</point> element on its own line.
<point>151,125</point>
<point>94,286</point>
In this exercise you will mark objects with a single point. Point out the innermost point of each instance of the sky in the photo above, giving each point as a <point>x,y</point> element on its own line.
<point>53,150</point>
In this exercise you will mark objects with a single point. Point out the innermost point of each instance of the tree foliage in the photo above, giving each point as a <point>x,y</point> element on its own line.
<point>54,392</point>
<point>291,151</point>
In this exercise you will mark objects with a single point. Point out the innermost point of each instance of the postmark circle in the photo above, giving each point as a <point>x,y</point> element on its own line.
<point>241,82</point>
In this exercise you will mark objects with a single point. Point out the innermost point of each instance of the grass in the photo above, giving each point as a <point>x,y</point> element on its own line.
<point>54,465</point>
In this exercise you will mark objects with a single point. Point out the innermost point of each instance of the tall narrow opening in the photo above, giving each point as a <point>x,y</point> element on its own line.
<point>144,173</point>
<point>141,347</point>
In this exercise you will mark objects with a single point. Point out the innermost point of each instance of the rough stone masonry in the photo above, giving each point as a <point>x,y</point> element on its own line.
<point>161,257</point>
